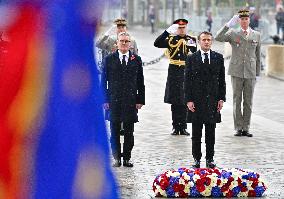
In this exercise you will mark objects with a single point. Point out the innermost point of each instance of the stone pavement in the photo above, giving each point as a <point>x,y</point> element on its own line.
<point>156,151</point>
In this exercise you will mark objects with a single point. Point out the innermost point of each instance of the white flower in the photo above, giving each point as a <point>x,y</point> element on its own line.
<point>242,194</point>
<point>181,181</point>
<point>196,177</point>
<point>175,174</point>
<point>163,192</point>
<point>186,188</point>
<point>213,182</point>
<point>207,191</point>
<point>233,184</point>
<point>249,183</point>
<point>185,176</point>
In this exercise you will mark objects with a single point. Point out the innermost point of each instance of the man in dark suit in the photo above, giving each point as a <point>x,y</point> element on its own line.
<point>205,91</point>
<point>178,45</point>
<point>123,82</point>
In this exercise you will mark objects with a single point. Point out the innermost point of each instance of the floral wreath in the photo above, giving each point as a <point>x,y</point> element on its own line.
<point>206,182</point>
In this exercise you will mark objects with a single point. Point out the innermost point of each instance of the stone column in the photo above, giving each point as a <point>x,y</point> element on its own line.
<point>275,61</point>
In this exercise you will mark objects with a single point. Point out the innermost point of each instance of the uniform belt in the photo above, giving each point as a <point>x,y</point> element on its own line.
<point>177,62</point>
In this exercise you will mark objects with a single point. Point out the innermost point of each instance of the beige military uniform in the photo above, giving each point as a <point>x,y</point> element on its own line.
<point>244,67</point>
<point>108,43</point>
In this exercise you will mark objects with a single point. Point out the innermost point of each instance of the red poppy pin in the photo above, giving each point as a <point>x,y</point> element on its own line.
<point>132,57</point>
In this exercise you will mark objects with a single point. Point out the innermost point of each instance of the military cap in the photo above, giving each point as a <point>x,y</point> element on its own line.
<point>243,13</point>
<point>120,22</point>
<point>181,22</point>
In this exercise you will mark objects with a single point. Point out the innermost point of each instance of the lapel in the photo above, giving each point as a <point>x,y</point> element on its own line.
<point>198,57</point>
<point>240,32</point>
<point>116,58</point>
<point>251,35</point>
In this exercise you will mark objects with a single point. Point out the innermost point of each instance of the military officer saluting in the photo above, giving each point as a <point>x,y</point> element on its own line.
<point>244,67</point>
<point>179,45</point>
<point>108,41</point>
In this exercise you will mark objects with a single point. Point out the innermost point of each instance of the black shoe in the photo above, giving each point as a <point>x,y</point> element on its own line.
<point>210,164</point>
<point>117,163</point>
<point>196,164</point>
<point>246,133</point>
<point>175,132</point>
<point>126,163</point>
<point>184,132</point>
<point>238,133</point>
<point>121,132</point>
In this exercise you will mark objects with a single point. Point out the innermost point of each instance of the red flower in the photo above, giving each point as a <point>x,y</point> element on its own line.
<point>164,183</point>
<point>178,187</point>
<point>251,193</point>
<point>229,194</point>
<point>244,189</point>
<point>218,182</point>
<point>132,57</point>
<point>224,188</point>
<point>182,194</point>
<point>207,181</point>
<point>200,185</point>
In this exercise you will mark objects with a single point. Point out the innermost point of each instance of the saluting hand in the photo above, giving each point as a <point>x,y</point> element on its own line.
<point>110,31</point>
<point>233,21</point>
<point>172,29</point>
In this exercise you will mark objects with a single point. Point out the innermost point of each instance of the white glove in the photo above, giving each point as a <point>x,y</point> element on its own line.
<point>110,31</point>
<point>233,21</point>
<point>172,29</point>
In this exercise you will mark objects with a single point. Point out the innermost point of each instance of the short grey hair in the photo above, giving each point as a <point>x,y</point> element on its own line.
<point>124,34</point>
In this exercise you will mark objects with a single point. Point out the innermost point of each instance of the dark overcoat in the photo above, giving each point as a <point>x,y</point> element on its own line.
<point>174,92</point>
<point>124,87</point>
<point>204,86</point>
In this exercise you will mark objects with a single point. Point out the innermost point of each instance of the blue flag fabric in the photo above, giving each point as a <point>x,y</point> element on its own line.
<point>72,157</point>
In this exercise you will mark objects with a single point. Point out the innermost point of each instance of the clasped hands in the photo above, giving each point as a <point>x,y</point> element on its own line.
<point>191,106</point>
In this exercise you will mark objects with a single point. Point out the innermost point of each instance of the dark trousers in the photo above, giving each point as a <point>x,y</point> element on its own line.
<point>115,140</point>
<point>209,140</point>
<point>179,114</point>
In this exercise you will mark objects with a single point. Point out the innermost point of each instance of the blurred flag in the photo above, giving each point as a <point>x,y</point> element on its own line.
<point>53,141</point>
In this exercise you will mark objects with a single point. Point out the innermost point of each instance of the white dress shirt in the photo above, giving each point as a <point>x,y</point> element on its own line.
<point>121,56</point>
<point>203,56</point>
<point>247,30</point>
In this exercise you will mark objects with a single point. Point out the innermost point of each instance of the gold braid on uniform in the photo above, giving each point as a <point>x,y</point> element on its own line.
<point>177,46</point>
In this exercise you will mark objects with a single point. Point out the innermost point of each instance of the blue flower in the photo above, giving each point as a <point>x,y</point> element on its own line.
<point>216,192</point>
<point>236,190</point>
<point>245,177</point>
<point>181,171</point>
<point>191,174</point>
<point>226,174</point>
<point>173,180</point>
<point>252,175</point>
<point>259,190</point>
<point>170,192</point>
<point>194,192</point>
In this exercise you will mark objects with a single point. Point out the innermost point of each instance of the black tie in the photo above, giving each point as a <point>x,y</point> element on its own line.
<point>123,60</point>
<point>206,59</point>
